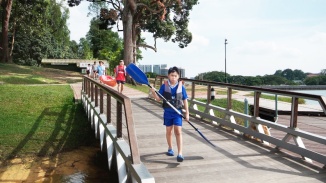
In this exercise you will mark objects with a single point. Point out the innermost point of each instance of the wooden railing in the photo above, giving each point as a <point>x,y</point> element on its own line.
<point>262,126</point>
<point>109,128</point>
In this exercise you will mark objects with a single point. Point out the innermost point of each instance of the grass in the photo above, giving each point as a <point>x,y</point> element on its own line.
<point>143,88</point>
<point>283,99</point>
<point>39,120</point>
<point>236,106</point>
<point>16,74</point>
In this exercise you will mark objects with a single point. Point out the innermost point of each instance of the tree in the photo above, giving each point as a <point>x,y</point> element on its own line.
<point>299,75</point>
<point>278,73</point>
<point>163,19</point>
<point>323,72</point>
<point>40,30</point>
<point>6,6</point>
<point>84,50</point>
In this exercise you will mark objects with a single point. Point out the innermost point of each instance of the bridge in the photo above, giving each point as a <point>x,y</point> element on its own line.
<point>248,147</point>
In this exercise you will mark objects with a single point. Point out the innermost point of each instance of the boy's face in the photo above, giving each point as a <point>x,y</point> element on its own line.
<point>173,77</point>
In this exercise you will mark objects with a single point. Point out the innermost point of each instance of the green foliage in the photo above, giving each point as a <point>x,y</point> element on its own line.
<point>316,80</point>
<point>41,31</point>
<point>105,44</point>
<point>151,74</point>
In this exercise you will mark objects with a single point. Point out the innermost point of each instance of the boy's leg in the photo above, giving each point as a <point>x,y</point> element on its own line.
<point>178,135</point>
<point>169,136</point>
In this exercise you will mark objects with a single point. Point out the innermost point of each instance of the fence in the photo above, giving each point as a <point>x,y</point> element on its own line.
<point>258,128</point>
<point>111,126</point>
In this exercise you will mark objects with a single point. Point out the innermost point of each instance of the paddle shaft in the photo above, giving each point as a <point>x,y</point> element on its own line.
<point>175,109</point>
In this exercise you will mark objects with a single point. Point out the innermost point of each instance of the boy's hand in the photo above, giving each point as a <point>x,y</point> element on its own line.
<point>187,116</point>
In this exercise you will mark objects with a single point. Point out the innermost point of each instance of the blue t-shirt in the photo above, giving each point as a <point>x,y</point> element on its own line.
<point>169,112</point>
<point>100,70</point>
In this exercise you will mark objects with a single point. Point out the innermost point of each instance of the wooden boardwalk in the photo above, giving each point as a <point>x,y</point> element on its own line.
<point>235,159</point>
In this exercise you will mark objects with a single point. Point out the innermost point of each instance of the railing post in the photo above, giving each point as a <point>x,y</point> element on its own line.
<point>192,90</point>
<point>256,104</point>
<point>246,124</point>
<point>108,107</point>
<point>92,92</point>
<point>294,112</point>
<point>229,98</point>
<point>119,119</point>
<point>209,94</point>
<point>96,96</point>
<point>101,101</point>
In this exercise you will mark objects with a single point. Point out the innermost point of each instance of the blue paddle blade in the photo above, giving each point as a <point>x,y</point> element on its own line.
<point>137,74</point>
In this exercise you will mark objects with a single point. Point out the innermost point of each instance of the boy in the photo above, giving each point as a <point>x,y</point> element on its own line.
<point>174,92</point>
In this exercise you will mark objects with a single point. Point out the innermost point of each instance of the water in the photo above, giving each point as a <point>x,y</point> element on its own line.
<point>314,92</point>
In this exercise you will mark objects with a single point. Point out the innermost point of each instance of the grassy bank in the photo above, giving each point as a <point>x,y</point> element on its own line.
<point>16,74</point>
<point>40,121</point>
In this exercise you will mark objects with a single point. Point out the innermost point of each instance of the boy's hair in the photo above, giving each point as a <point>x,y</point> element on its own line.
<point>174,69</point>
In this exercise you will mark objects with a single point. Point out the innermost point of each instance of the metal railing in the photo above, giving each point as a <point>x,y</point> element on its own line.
<point>109,127</point>
<point>261,126</point>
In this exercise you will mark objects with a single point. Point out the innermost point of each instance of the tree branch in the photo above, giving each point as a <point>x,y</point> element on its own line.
<point>147,46</point>
<point>151,10</point>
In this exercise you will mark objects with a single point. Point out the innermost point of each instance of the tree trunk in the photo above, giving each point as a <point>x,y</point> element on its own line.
<point>6,5</point>
<point>127,36</point>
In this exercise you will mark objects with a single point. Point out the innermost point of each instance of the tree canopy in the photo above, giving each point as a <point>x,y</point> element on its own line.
<point>167,20</point>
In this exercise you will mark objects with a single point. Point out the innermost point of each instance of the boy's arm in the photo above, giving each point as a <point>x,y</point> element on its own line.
<point>185,102</point>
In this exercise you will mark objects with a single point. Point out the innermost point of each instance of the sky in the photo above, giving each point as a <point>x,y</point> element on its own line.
<point>262,36</point>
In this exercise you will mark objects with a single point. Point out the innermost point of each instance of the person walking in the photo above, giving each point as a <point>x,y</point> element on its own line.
<point>89,70</point>
<point>94,69</point>
<point>120,75</point>
<point>100,69</point>
<point>174,92</point>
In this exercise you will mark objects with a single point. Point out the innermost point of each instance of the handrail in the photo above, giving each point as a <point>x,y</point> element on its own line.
<point>129,165</point>
<point>262,126</point>
<point>122,100</point>
<point>321,100</point>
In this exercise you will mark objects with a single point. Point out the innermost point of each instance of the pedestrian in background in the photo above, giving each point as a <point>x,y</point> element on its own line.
<point>120,75</point>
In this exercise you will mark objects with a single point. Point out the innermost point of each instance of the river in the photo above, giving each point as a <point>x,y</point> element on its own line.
<point>314,92</point>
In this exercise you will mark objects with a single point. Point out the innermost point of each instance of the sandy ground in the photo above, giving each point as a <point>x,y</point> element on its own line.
<point>81,165</point>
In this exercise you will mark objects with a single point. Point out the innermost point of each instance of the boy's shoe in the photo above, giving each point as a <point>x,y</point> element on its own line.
<point>170,152</point>
<point>180,158</point>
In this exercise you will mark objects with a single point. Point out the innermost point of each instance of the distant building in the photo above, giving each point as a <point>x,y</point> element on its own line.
<point>164,66</point>
<point>312,75</point>
<point>164,71</point>
<point>182,72</point>
<point>157,69</point>
<point>148,68</point>
<point>145,68</point>
<point>141,67</point>
<point>160,69</point>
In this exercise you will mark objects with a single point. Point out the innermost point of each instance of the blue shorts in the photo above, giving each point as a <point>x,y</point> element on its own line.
<point>177,121</point>
<point>119,81</point>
